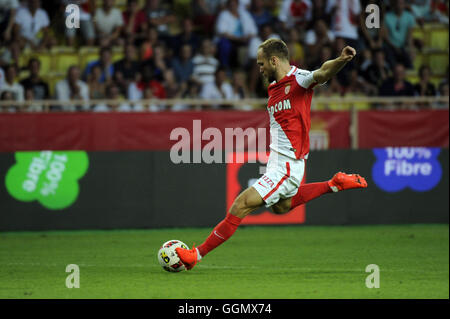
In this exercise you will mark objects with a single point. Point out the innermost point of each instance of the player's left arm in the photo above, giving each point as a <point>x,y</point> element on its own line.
<point>331,67</point>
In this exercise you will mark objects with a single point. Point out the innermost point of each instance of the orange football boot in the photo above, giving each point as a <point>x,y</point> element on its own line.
<point>341,181</point>
<point>187,256</point>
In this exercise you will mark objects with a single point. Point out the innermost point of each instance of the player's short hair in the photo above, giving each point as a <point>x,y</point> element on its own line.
<point>275,47</point>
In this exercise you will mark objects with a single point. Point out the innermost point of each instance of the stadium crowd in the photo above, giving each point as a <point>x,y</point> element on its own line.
<point>207,49</point>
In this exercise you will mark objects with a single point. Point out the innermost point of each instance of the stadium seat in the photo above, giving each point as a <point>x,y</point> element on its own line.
<point>420,58</point>
<point>51,80</point>
<point>438,63</point>
<point>420,34</point>
<point>63,61</point>
<point>439,39</point>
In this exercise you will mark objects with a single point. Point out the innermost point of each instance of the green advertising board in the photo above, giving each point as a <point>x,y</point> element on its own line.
<point>50,177</point>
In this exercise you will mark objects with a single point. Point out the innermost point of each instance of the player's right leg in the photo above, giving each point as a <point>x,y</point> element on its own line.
<point>244,204</point>
<point>307,192</point>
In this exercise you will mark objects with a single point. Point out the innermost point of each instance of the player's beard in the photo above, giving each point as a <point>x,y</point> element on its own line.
<point>268,78</point>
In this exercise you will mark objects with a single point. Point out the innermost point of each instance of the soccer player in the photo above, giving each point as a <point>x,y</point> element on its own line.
<point>290,93</point>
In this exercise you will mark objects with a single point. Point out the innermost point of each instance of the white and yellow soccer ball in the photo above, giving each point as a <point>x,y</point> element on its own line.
<point>168,257</point>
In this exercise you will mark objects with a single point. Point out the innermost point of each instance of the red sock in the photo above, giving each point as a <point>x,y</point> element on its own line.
<point>307,192</point>
<point>220,234</point>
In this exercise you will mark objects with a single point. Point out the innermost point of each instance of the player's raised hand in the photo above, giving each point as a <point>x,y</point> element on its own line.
<point>348,53</point>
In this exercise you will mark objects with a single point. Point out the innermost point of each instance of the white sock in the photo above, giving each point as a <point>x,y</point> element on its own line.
<point>198,254</point>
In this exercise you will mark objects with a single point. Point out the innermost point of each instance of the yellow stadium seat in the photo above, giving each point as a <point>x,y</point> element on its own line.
<point>439,39</point>
<point>419,33</point>
<point>64,60</point>
<point>436,80</point>
<point>116,56</point>
<point>420,58</point>
<point>438,63</point>
<point>51,80</point>
<point>413,79</point>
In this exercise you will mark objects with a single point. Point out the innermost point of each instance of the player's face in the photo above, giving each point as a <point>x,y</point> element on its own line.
<point>265,67</point>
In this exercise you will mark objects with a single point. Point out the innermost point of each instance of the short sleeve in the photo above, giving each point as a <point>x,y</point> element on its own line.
<point>305,78</point>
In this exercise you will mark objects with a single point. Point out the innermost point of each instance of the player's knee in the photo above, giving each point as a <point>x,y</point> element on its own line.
<point>280,209</point>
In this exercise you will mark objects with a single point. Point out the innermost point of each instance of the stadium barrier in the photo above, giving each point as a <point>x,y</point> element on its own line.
<point>122,190</point>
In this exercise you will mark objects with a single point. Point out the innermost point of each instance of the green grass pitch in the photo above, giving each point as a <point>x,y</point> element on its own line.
<point>306,262</point>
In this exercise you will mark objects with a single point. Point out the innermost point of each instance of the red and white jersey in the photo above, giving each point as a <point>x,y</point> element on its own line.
<point>289,111</point>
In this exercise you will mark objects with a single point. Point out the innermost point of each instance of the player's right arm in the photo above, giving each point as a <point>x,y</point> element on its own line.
<point>331,67</point>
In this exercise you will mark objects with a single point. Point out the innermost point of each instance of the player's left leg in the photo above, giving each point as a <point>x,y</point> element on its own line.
<point>244,204</point>
<point>308,192</point>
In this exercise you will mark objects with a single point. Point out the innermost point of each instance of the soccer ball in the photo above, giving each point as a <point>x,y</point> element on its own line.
<point>168,257</point>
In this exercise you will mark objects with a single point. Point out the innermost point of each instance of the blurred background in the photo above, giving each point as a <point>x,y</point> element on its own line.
<point>102,101</point>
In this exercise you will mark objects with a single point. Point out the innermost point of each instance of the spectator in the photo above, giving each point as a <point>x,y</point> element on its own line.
<point>186,36</point>
<point>32,26</point>
<point>8,9</point>
<point>422,11</point>
<point>33,107</point>
<point>35,82</point>
<point>240,90</point>
<point>147,95</point>
<point>397,85</point>
<point>96,86</point>
<point>105,64</point>
<point>424,87</point>
<point>172,88</point>
<point>317,38</point>
<point>2,77</point>
<point>326,53</point>
<point>358,86</point>
<point>159,17</point>
<point>113,93</point>
<point>234,29</point>
<point>86,24</point>
<point>135,21</point>
<point>11,85</point>
<point>7,96</point>
<point>217,90</point>
<point>183,66</point>
<point>108,24</point>
<point>378,72</point>
<point>345,20</point>
<point>146,80</point>
<point>151,41</point>
<point>125,69</point>
<point>203,13</point>
<point>296,52</point>
<point>191,90</point>
<point>205,64</point>
<point>254,79</point>
<point>440,10</point>
<point>159,62</point>
<point>319,13</point>
<point>443,91</point>
<point>398,35</point>
<point>295,13</point>
<point>260,14</point>
<point>72,88</point>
